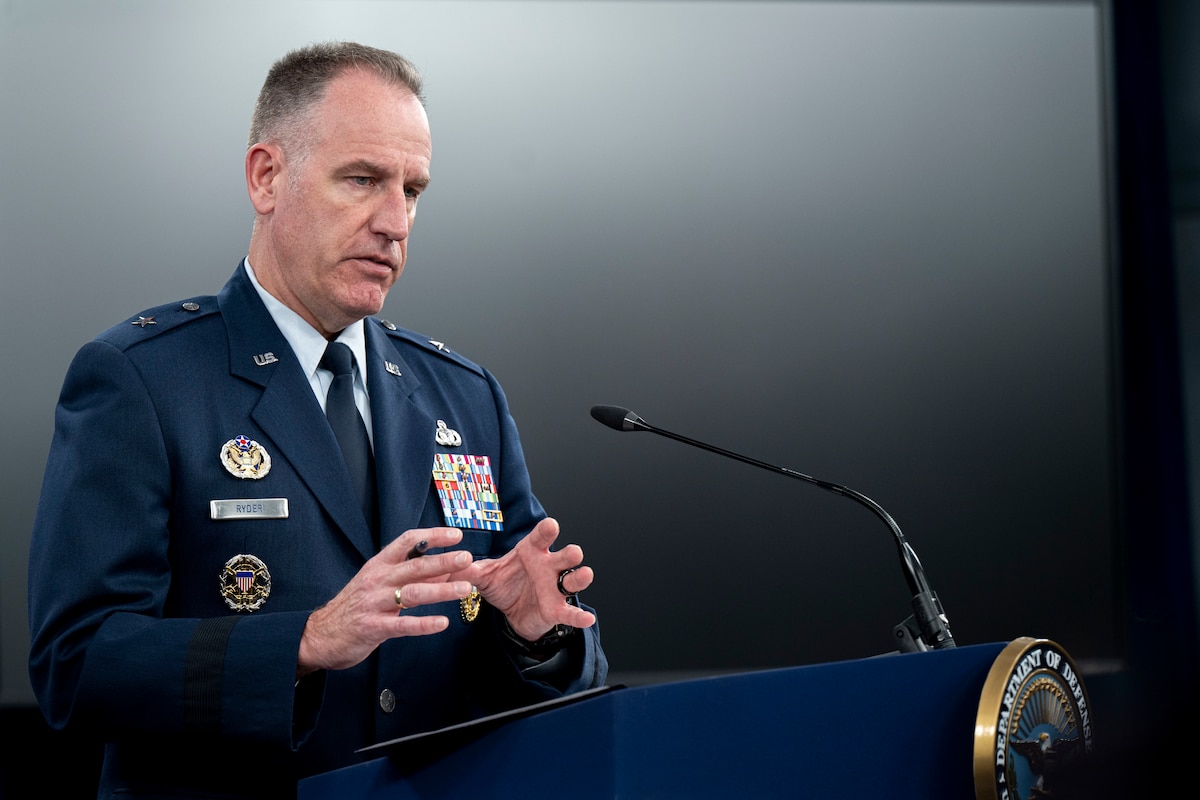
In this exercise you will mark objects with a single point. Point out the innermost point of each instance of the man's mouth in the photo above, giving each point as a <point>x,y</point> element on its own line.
<point>380,261</point>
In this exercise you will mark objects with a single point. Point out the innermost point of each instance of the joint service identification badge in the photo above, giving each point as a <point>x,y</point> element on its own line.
<point>245,583</point>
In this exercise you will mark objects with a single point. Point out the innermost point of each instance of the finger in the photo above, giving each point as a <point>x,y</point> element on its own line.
<point>413,595</point>
<point>575,580</point>
<point>416,625</point>
<point>569,557</point>
<point>543,534</point>
<point>473,571</point>
<point>574,616</point>
<point>432,568</point>
<point>580,618</point>
<point>401,549</point>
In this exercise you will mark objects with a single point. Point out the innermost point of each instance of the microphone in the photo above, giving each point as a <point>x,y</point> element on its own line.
<point>926,629</point>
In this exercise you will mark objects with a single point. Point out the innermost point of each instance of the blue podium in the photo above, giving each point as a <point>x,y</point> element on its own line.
<point>895,726</point>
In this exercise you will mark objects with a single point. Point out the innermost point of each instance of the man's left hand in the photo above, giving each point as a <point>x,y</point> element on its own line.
<point>523,584</point>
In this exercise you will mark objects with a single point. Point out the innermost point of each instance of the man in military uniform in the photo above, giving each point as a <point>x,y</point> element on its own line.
<point>221,586</point>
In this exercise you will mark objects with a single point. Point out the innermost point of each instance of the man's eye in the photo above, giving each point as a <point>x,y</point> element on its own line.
<point>362,180</point>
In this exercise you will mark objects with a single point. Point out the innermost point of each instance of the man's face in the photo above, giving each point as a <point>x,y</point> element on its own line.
<point>334,225</point>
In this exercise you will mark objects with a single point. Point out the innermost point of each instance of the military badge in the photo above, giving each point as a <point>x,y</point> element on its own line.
<point>446,437</point>
<point>243,457</point>
<point>467,491</point>
<point>1033,728</point>
<point>245,583</point>
<point>469,605</point>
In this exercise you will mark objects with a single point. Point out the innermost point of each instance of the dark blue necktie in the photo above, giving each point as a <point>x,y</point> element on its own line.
<point>350,431</point>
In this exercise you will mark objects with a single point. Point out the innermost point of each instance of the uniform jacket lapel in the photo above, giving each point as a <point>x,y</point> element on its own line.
<point>287,411</point>
<point>403,434</point>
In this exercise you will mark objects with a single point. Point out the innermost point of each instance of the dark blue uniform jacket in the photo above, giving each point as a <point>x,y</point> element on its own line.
<point>131,636</point>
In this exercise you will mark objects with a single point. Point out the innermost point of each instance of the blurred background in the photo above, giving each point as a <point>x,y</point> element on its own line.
<point>940,252</point>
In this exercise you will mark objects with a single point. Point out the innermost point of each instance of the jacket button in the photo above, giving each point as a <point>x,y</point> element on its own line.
<point>387,701</point>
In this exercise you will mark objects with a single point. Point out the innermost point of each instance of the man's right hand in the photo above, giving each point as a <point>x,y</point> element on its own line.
<point>364,614</point>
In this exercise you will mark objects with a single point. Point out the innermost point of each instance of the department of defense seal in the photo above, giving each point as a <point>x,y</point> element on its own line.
<point>245,583</point>
<point>1034,724</point>
<point>243,457</point>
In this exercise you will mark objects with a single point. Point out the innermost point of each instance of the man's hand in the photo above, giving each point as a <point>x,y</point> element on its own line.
<point>523,583</point>
<point>364,614</point>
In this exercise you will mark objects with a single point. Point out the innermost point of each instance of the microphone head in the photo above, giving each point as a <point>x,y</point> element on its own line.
<point>617,418</point>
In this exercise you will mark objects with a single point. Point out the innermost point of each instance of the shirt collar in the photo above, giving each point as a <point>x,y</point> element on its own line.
<point>306,341</point>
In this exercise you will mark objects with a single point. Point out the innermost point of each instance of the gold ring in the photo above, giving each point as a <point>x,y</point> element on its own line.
<point>399,599</point>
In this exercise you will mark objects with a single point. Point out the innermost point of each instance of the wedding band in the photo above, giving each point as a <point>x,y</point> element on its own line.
<point>399,599</point>
<point>562,575</point>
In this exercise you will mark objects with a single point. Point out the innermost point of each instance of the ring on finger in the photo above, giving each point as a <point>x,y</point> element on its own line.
<point>562,575</point>
<point>400,598</point>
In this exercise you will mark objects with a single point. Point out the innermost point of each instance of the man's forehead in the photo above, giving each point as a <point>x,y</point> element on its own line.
<point>353,83</point>
<point>373,117</point>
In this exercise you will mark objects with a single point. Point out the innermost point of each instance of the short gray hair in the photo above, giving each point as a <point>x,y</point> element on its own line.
<point>297,82</point>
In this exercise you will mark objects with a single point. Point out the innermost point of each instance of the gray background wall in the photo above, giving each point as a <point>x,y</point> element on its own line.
<point>866,241</point>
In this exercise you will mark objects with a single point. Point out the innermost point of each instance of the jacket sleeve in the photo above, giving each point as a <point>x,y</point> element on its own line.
<point>582,663</point>
<point>103,655</point>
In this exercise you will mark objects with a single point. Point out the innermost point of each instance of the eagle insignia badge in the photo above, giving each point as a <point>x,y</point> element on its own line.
<point>245,458</point>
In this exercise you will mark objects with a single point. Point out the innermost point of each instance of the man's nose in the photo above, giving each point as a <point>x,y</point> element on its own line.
<point>391,218</point>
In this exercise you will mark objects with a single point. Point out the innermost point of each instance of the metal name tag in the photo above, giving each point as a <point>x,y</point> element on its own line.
<point>261,508</point>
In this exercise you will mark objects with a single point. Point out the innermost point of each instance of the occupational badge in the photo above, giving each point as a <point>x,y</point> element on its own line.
<point>245,583</point>
<point>446,437</point>
<point>243,457</point>
<point>467,491</point>
<point>469,605</point>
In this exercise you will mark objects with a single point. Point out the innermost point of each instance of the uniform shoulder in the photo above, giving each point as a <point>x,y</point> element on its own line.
<point>156,321</point>
<point>409,341</point>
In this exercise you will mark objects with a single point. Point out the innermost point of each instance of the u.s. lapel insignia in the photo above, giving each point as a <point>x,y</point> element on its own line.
<point>392,369</point>
<point>262,359</point>
<point>446,437</point>
<point>470,605</point>
<point>245,583</point>
<point>243,457</point>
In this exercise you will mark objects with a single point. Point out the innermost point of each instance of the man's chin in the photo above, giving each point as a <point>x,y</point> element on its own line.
<point>368,304</point>
<point>360,298</point>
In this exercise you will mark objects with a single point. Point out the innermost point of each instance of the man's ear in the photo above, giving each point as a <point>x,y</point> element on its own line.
<point>264,171</point>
